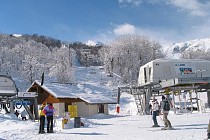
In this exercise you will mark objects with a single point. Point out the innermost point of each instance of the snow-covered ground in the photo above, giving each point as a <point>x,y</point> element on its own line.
<point>126,125</point>
<point>174,50</point>
<point>123,126</point>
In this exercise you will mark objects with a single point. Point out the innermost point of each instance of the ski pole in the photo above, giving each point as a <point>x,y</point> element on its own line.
<point>161,119</point>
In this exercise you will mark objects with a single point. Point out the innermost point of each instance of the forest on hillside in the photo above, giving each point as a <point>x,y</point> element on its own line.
<point>30,55</point>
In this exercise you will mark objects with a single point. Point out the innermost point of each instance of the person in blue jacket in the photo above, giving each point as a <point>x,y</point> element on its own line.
<point>49,112</point>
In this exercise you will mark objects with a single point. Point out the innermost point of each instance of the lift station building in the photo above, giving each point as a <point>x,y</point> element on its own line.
<point>173,75</point>
<point>165,69</point>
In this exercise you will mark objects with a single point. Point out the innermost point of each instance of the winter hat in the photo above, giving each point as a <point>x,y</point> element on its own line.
<point>42,106</point>
<point>163,97</point>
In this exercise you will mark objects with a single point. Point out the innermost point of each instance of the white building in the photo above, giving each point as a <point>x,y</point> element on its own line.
<point>166,69</point>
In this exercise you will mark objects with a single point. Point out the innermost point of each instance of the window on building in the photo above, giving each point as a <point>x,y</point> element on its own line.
<point>145,75</point>
<point>150,72</point>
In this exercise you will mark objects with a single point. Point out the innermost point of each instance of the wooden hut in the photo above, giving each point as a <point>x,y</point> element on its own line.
<point>69,98</point>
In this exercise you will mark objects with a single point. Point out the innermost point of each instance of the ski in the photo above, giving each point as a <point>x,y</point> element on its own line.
<point>47,132</point>
<point>154,130</point>
<point>167,128</point>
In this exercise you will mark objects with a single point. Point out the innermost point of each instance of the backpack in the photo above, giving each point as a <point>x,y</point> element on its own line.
<point>158,111</point>
<point>166,106</point>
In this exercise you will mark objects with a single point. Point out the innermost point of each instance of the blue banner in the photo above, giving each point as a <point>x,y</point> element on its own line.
<point>22,103</point>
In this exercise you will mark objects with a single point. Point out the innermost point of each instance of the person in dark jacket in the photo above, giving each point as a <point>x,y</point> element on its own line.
<point>167,123</point>
<point>41,119</point>
<point>49,112</point>
<point>16,113</point>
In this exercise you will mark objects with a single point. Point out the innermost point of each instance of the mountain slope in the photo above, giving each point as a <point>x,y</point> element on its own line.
<point>174,50</point>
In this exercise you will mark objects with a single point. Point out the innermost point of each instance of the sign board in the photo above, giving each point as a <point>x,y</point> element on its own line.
<point>72,109</point>
<point>26,94</point>
<point>19,102</point>
<point>185,68</point>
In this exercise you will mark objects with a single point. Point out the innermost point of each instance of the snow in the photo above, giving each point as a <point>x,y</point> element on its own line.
<point>8,91</point>
<point>94,99</point>
<point>91,88</point>
<point>174,50</point>
<point>126,125</point>
<point>17,35</point>
<point>93,43</point>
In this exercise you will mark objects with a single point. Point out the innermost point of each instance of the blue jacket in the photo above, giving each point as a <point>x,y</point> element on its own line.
<point>49,110</point>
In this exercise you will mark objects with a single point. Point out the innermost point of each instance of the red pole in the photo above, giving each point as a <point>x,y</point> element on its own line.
<point>118,108</point>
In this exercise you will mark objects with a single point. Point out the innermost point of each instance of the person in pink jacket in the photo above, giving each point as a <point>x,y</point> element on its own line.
<point>49,112</point>
<point>155,111</point>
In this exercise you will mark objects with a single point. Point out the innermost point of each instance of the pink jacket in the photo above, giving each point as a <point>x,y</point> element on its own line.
<point>49,110</point>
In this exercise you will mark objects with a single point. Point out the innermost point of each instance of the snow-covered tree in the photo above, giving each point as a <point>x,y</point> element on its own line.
<point>35,61</point>
<point>62,67</point>
<point>127,53</point>
<point>30,56</point>
<point>193,53</point>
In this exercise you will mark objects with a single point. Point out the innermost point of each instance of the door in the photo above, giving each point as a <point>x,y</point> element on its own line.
<point>100,108</point>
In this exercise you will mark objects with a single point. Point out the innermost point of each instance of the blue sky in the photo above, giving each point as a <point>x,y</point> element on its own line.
<point>102,20</point>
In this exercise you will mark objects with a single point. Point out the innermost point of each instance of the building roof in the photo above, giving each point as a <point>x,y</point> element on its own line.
<point>7,86</point>
<point>59,90</point>
<point>179,60</point>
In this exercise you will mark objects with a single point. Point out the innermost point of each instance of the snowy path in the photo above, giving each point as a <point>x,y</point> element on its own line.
<point>103,127</point>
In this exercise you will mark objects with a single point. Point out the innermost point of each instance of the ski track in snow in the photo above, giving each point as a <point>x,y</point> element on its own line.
<point>119,127</point>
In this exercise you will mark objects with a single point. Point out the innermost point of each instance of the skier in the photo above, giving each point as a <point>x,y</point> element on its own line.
<point>41,119</point>
<point>155,111</point>
<point>23,114</point>
<point>165,106</point>
<point>49,112</point>
<point>16,113</point>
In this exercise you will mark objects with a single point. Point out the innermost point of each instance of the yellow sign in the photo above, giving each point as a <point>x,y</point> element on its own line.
<point>167,91</point>
<point>72,109</point>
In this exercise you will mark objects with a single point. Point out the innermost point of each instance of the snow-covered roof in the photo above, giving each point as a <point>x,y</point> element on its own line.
<point>59,90</point>
<point>7,86</point>
<point>96,98</point>
<point>7,92</point>
<point>178,60</point>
